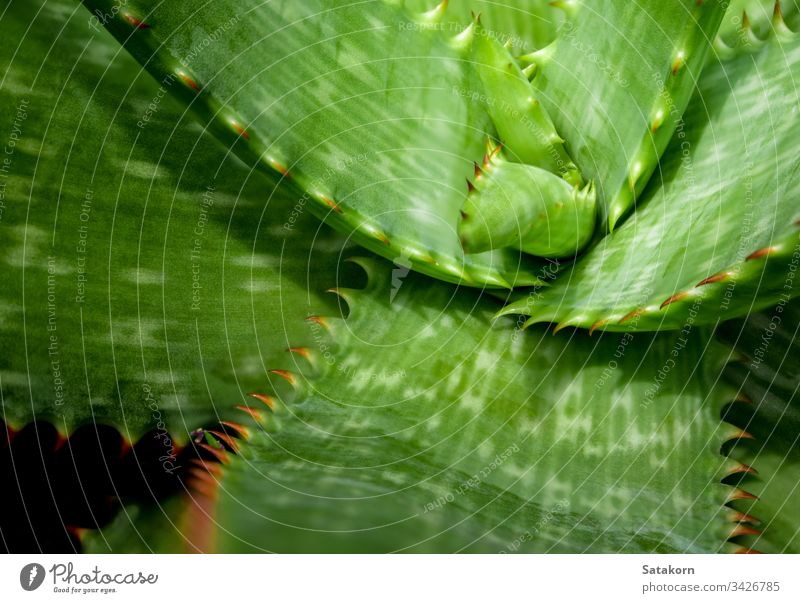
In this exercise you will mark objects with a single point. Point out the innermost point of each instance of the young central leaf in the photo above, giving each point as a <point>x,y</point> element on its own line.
<point>522,123</point>
<point>516,205</point>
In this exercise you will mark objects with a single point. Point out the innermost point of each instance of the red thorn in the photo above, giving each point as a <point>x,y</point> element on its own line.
<point>300,351</point>
<point>136,22</point>
<point>268,400</point>
<point>243,431</point>
<point>240,130</point>
<point>331,203</point>
<point>287,375</point>
<point>470,186</point>
<point>280,168</point>
<point>77,532</point>
<point>60,441</point>
<point>560,326</point>
<point>720,276</point>
<point>464,215</point>
<point>203,465</point>
<point>221,435</point>
<point>11,432</point>
<point>742,468</point>
<point>209,490</point>
<point>744,530</point>
<point>125,447</point>
<point>319,320</point>
<point>746,551</point>
<point>777,13</point>
<point>743,398</point>
<point>383,239</point>
<point>597,325</point>
<point>253,412</point>
<point>631,315</point>
<point>220,455</point>
<point>200,474</point>
<point>677,65</point>
<point>189,81</point>
<point>675,298</point>
<point>741,435</point>
<point>477,170</point>
<point>763,252</point>
<point>739,494</point>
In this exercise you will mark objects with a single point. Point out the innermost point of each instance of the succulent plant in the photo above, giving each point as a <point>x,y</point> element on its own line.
<point>292,272</point>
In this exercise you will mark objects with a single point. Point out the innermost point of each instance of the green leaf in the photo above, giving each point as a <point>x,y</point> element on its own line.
<point>513,204</point>
<point>616,82</point>
<point>716,235</point>
<point>369,111</point>
<point>748,23</point>
<point>150,280</point>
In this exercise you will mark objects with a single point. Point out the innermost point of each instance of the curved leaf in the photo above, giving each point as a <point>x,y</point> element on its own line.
<point>370,111</point>
<point>716,235</point>
<point>616,82</point>
<point>149,279</point>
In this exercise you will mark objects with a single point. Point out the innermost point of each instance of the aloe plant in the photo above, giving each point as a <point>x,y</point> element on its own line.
<point>305,248</point>
<point>711,240</point>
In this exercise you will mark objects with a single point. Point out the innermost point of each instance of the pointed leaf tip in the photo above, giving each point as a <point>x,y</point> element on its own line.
<point>268,400</point>
<point>598,325</point>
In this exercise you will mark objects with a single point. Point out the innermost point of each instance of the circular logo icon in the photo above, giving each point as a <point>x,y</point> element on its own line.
<point>31,576</point>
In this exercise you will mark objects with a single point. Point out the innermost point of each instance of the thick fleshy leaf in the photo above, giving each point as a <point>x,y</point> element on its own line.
<point>416,426</point>
<point>716,235</point>
<point>524,25</point>
<point>616,82</point>
<point>149,279</point>
<point>370,110</point>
